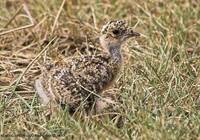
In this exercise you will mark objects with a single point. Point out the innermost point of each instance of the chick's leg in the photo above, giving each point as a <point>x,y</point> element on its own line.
<point>47,102</point>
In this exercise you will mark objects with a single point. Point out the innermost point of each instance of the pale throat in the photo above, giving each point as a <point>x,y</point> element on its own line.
<point>115,53</point>
<point>112,48</point>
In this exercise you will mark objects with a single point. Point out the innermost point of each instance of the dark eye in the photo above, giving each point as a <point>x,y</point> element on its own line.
<point>116,32</point>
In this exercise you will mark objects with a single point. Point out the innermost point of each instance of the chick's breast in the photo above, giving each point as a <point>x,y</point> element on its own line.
<point>80,78</point>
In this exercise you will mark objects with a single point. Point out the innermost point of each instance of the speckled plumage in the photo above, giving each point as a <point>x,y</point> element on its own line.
<point>72,83</point>
<point>79,80</point>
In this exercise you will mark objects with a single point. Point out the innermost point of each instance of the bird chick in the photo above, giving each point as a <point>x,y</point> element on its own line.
<point>81,80</point>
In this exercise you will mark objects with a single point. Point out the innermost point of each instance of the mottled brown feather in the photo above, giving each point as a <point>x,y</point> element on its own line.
<point>75,81</point>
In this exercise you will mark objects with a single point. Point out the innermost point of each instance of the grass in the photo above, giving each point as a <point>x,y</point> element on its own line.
<point>159,83</point>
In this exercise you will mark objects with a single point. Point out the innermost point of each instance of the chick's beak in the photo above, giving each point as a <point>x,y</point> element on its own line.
<point>131,33</point>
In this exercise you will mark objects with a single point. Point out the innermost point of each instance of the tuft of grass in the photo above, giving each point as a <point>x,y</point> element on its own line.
<point>159,83</point>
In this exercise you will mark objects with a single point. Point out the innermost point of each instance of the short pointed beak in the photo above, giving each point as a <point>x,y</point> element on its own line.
<point>131,33</point>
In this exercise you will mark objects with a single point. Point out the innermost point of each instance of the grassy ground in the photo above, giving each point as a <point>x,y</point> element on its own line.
<point>158,85</point>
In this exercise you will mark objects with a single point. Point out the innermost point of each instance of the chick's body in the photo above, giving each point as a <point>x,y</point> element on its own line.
<point>79,79</point>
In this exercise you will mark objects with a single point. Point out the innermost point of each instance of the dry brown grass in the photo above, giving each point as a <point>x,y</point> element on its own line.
<point>160,95</point>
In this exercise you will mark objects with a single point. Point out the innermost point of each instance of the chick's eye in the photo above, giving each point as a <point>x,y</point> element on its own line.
<point>116,32</point>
